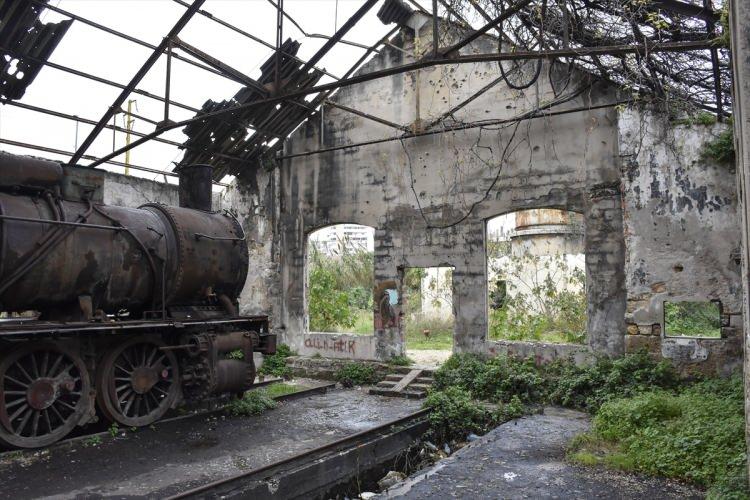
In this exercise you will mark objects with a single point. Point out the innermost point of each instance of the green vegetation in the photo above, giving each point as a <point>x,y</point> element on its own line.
<point>721,148</point>
<point>251,403</point>
<point>427,330</point>
<point>400,361</point>
<point>692,319</point>
<point>114,429</point>
<point>645,419</point>
<point>282,389</point>
<point>340,290</point>
<point>354,373</point>
<point>701,118</point>
<point>551,306</point>
<point>275,364</point>
<point>92,441</point>
<point>695,434</point>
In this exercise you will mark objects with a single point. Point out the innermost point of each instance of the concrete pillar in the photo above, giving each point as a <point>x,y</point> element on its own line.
<point>740,33</point>
<point>605,270</point>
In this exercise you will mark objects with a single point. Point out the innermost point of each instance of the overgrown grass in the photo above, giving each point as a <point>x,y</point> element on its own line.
<point>693,319</point>
<point>645,418</point>
<point>275,364</point>
<point>282,389</point>
<point>695,434</point>
<point>252,403</point>
<point>355,373</point>
<point>363,324</point>
<point>440,330</point>
<point>401,361</point>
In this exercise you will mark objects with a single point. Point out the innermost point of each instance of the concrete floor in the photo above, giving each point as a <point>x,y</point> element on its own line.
<point>179,455</point>
<point>525,458</point>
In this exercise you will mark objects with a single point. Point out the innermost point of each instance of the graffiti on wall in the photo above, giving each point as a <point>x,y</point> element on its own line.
<point>333,345</point>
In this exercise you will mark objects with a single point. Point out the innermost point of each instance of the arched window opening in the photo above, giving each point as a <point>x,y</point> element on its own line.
<point>340,279</point>
<point>536,273</point>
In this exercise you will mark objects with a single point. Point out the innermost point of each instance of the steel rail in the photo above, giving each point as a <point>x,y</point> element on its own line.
<point>348,442</point>
<point>431,62</point>
<point>147,65</point>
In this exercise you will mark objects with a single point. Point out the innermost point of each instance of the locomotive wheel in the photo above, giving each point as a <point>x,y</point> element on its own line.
<point>44,393</point>
<point>137,382</point>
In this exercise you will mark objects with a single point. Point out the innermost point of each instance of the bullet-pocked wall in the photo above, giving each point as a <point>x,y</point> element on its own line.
<point>429,197</point>
<point>562,142</point>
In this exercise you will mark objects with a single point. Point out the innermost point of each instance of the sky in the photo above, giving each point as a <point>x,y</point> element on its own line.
<point>93,51</point>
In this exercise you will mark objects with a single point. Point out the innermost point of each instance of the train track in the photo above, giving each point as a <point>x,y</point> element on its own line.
<point>100,430</point>
<point>322,472</point>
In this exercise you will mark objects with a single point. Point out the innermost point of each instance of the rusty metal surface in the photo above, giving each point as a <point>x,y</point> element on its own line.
<point>395,11</point>
<point>23,33</point>
<point>199,267</point>
<point>48,267</point>
<point>229,135</point>
<point>28,172</point>
<point>195,186</point>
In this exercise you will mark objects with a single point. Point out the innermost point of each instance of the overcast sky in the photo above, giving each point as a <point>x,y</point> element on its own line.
<point>107,56</point>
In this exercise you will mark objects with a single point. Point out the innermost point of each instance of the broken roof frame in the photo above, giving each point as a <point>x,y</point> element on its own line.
<point>287,93</point>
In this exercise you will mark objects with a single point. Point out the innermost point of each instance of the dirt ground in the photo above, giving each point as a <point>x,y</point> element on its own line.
<point>428,358</point>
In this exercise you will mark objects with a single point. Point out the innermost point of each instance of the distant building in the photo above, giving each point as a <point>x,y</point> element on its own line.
<point>344,238</point>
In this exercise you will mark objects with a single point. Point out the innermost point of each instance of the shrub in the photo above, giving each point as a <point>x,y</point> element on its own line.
<point>694,434</point>
<point>455,414</point>
<point>252,403</point>
<point>275,364</point>
<point>589,387</point>
<point>721,148</point>
<point>352,374</point>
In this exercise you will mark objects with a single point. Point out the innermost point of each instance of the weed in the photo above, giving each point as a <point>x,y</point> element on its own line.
<point>721,148</point>
<point>92,441</point>
<point>455,414</point>
<point>695,433</point>
<point>252,403</point>
<point>114,429</point>
<point>352,374</point>
<point>275,364</point>
<point>236,354</point>
<point>280,389</point>
<point>401,361</point>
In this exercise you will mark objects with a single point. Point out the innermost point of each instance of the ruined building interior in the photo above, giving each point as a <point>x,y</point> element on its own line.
<point>470,140</point>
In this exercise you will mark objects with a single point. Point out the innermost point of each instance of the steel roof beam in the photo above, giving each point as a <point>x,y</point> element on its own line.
<point>157,52</point>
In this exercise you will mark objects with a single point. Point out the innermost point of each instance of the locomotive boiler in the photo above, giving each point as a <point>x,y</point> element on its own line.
<point>115,312</point>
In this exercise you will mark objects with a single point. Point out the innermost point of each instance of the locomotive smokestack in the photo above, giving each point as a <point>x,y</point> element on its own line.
<point>195,186</point>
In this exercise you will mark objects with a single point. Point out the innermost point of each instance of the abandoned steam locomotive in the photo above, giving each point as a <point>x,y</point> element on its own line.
<point>127,311</point>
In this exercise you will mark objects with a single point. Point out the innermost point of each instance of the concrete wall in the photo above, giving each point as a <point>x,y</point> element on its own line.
<point>429,197</point>
<point>648,207</point>
<point>681,225</point>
